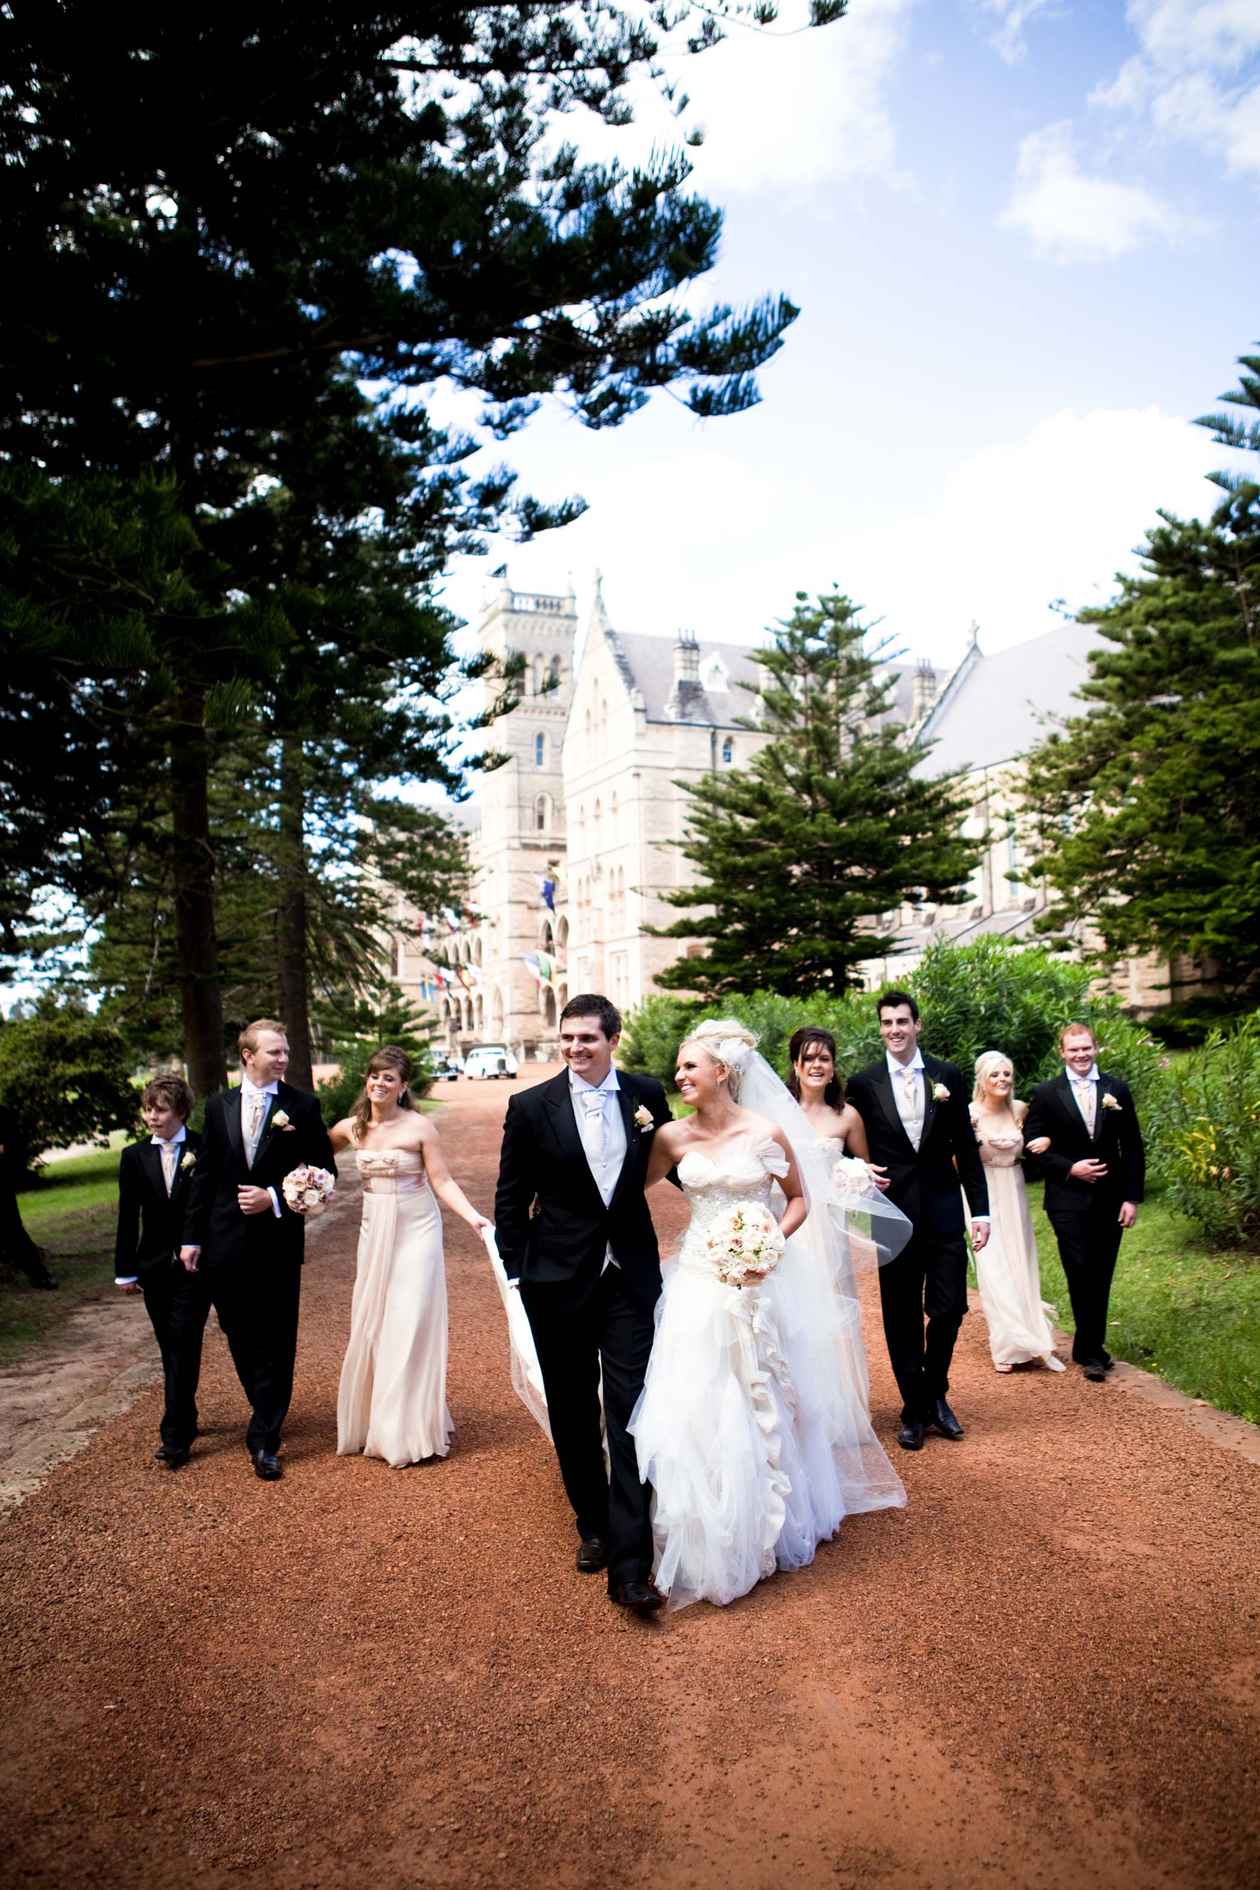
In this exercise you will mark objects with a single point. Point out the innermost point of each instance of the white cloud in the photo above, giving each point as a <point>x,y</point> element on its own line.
<point>1011,17</point>
<point>1017,525</point>
<point>1196,77</point>
<point>779,109</point>
<point>1073,216</point>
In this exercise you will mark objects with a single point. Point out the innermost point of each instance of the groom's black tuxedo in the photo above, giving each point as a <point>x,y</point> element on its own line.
<point>252,1263</point>
<point>554,1233</point>
<point>930,1273</point>
<point>1085,1214</point>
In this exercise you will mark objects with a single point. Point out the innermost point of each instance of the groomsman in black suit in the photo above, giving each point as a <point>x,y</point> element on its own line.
<point>154,1180</point>
<point>1095,1176</point>
<point>573,1228</point>
<point>243,1239</point>
<point>914,1110</point>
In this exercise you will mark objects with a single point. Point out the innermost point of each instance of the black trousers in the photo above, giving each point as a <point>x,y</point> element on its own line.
<point>577,1330</point>
<point>258,1303</point>
<point>178,1305</point>
<point>928,1277</point>
<point>1089,1245</point>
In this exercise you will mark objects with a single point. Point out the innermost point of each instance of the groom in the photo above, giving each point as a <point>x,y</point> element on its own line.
<point>914,1110</point>
<point>573,1229</point>
<point>243,1239</point>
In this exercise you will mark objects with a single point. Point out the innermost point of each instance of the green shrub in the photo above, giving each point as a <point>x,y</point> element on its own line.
<point>356,1032</point>
<point>67,1077</point>
<point>1209,1132</point>
<point>985,996</point>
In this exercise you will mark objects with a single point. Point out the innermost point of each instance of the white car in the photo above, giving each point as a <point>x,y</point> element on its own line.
<point>489,1059</point>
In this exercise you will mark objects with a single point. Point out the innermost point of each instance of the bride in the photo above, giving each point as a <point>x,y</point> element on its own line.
<point>391,1401</point>
<point>753,1426</point>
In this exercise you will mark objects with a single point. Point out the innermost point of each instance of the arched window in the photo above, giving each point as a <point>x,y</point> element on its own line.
<point>536,675</point>
<point>728,752</point>
<point>540,751</point>
<point>555,672</point>
<point>542,813</point>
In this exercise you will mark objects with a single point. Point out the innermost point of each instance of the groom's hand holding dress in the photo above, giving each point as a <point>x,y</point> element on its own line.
<point>573,1228</point>
<point>243,1238</point>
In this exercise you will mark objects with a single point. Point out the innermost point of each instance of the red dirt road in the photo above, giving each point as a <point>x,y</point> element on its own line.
<point>1043,1672</point>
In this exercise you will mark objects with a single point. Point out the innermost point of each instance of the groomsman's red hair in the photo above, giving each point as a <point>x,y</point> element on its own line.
<point>248,1039</point>
<point>1069,1029</point>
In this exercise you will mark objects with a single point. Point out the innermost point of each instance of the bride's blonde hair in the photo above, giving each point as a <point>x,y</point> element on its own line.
<point>716,1034</point>
<point>986,1063</point>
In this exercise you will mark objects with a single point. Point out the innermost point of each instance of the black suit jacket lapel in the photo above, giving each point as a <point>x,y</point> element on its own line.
<point>1070,1103</point>
<point>630,1166</point>
<point>151,1161</point>
<point>558,1102</point>
<point>232,1122</point>
<point>274,1104</point>
<point>882,1084</point>
<point>929,1101</point>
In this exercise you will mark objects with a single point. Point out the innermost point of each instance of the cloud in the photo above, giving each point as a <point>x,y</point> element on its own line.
<point>780,109</point>
<point>1072,216</point>
<point>1196,78</point>
<point>1012,16</point>
<point>1017,525</point>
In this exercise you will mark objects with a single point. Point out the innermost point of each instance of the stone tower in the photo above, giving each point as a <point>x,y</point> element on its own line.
<point>522,833</point>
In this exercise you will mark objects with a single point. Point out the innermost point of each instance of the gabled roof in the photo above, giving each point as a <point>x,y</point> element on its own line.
<point>995,708</point>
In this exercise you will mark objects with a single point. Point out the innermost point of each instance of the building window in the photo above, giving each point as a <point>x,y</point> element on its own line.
<point>542,813</point>
<point>555,672</point>
<point>728,752</point>
<point>540,751</point>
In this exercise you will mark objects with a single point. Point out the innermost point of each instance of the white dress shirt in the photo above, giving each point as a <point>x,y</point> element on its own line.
<point>603,1134</point>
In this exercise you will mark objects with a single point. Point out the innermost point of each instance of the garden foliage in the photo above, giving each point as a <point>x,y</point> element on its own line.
<point>66,1075</point>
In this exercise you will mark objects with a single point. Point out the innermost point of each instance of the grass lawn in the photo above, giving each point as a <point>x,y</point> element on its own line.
<point>72,1216</point>
<point>1176,1309</point>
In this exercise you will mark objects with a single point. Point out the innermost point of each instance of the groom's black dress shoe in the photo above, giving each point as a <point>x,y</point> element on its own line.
<point>1094,1370</point>
<point>639,1597</point>
<point>266,1465</point>
<point>592,1555</point>
<point>174,1456</point>
<point>944,1421</point>
<point>910,1435</point>
<point>1108,1363</point>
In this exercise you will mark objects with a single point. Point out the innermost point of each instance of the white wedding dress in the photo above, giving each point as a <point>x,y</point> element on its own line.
<point>753,1426</point>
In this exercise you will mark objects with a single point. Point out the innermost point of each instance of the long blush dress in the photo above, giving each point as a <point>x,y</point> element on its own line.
<point>392,1398</point>
<point>1006,1268</point>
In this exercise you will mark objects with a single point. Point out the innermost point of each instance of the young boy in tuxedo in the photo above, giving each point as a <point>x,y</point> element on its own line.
<point>154,1178</point>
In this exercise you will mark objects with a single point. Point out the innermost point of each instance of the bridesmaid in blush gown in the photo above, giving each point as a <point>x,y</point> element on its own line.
<point>1006,1269</point>
<point>392,1399</point>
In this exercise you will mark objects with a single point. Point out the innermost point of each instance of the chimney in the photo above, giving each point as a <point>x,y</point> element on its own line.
<point>686,698</point>
<point>924,690</point>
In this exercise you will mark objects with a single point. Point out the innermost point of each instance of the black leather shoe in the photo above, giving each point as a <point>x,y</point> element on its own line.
<point>910,1435</point>
<point>266,1466</point>
<point>592,1555</point>
<point>1108,1363</point>
<point>1094,1370</point>
<point>639,1597</point>
<point>944,1421</point>
<point>172,1458</point>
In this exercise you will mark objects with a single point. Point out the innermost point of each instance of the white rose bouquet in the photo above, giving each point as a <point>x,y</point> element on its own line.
<point>308,1190</point>
<point>745,1244</point>
<point>853,1177</point>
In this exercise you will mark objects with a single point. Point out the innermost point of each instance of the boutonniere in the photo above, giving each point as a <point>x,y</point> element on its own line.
<point>189,1161</point>
<point>1109,1101</point>
<point>644,1119</point>
<point>281,1120</point>
<point>939,1093</point>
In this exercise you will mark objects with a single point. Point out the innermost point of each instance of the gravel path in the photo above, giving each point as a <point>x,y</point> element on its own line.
<point>1044,1671</point>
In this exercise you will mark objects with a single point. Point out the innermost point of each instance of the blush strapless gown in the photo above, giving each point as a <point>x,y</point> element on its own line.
<point>391,1402</point>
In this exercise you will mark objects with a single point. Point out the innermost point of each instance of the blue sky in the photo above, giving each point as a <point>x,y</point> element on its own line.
<point>1022,234</point>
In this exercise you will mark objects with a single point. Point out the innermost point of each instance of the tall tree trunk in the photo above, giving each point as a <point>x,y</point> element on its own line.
<point>295,1007</point>
<point>193,859</point>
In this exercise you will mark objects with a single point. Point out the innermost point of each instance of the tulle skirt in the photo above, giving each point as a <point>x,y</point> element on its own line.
<point>753,1426</point>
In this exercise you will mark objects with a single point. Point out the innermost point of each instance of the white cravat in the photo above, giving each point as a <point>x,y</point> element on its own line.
<point>169,1151</point>
<point>1085,1089</point>
<point>907,1082</point>
<point>603,1134</point>
<point>253,1115</point>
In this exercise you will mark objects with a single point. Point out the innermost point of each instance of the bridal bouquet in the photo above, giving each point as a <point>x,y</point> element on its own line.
<point>308,1190</point>
<point>745,1244</point>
